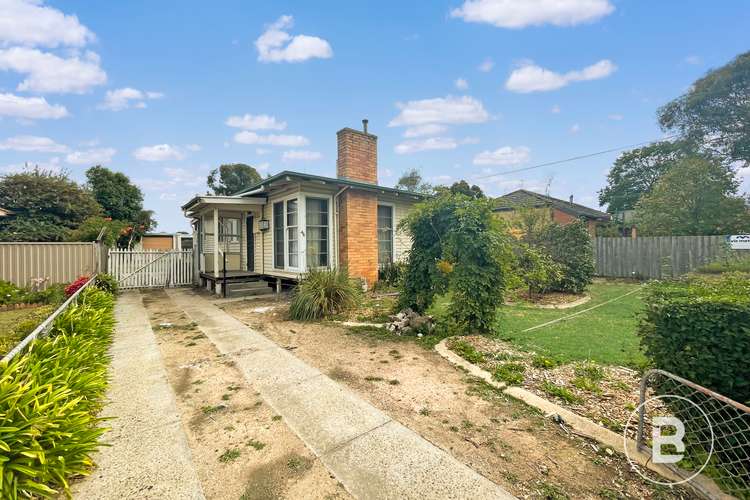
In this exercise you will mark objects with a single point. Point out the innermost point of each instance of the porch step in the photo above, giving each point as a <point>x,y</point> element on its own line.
<point>248,288</point>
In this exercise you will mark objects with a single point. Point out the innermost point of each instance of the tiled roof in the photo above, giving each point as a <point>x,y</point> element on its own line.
<point>524,198</point>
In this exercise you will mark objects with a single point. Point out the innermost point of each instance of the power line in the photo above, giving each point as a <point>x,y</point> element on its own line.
<point>574,158</point>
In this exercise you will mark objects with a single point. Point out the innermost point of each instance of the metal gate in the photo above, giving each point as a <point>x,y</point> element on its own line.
<point>151,268</point>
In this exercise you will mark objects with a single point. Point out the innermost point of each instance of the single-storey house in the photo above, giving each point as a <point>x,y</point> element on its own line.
<point>291,222</point>
<point>165,241</point>
<point>560,211</point>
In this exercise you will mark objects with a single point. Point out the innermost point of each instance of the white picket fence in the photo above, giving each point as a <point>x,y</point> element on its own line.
<point>151,268</point>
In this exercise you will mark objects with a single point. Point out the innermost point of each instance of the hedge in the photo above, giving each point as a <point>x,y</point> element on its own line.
<point>49,400</point>
<point>699,329</point>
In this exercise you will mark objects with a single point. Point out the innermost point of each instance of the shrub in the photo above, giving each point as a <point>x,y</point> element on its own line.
<point>49,398</point>
<point>728,264</point>
<point>391,273</point>
<point>536,269</point>
<point>76,285</point>
<point>106,282</point>
<point>697,329</point>
<point>10,293</point>
<point>570,246</point>
<point>321,293</point>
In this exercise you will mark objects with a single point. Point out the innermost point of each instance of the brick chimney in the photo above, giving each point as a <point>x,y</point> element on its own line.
<point>358,209</point>
<point>357,155</point>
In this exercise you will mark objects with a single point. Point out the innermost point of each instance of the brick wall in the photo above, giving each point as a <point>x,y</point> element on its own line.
<point>358,234</point>
<point>357,156</point>
<point>563,218</point>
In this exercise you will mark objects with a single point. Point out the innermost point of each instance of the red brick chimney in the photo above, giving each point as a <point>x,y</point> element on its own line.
<point>358,209</point>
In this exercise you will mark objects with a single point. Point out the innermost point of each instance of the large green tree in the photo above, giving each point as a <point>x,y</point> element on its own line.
<point>231,178</point>
<point>697,196</point>
<point>635,172</point>
<point>45,205</point>
<point>715,112</point>
<point>462,187</point>
<point>120,199</point>
<point>411,180</point>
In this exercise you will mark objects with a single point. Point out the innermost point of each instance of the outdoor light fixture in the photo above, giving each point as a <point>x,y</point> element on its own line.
<point>263,225</point>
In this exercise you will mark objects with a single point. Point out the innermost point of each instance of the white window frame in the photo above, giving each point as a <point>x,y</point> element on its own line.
<point>301,197</point>
<point>394,257</point>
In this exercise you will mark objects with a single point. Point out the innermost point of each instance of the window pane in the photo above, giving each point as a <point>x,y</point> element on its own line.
<point>385,234</point>
<point>316,217</point>
<point>292,234</point>
<point>278,235</point>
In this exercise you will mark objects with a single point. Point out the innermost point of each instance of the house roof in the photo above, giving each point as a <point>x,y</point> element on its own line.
<point>259,189</point>
<point>524,198</point>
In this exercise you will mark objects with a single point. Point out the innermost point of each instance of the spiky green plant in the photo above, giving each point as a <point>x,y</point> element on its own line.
<point>321,293</point>
<point>49,400</point>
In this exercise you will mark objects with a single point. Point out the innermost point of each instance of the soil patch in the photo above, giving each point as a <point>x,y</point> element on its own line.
<point>240,447</point>
<point>496,435</point>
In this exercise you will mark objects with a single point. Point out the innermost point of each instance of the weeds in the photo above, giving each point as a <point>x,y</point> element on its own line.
<point>257,445</point>
<point>510,373</point>
<point>467,351</point>
<point>560,392</point>
<point>229,455</point>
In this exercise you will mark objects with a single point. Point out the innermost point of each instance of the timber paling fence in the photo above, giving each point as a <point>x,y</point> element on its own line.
<point>655,257</point>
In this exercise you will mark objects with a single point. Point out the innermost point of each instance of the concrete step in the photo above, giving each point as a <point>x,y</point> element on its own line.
<point>246,291</point>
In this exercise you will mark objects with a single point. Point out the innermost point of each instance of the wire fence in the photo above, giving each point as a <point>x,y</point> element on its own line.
<point>715,435</point>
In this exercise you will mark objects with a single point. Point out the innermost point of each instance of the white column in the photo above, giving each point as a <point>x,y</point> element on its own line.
<point>216,242</point>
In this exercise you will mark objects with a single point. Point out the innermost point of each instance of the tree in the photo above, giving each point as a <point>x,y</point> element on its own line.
<point>462,187</point>
<point>715,111</point>
<point>45,205</point>
<point>411,180</point>
<point>697,196</point>
<point>635,172</point>
<point>115,231</point>
<point>120,199</point>
<point>232,178</point>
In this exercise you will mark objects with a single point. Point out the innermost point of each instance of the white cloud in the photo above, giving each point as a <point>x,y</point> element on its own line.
<point>193,147</point>
<point>694,60</point>
<point>507,155</point>
<point>47,72</point>
<point>159,152</point>
<point>175,178</point>
<point>53,165</point>
<point>532,78</point>
<point>486,65</point>
<point>616,117</point>
<point>470,140</point>
<point>263,166</point>
<point>262,151</point>
<point>432,143</point>
<point>555,109</point>
<point>33,24</point>
<point>255,122</point>
<point>293,141</point>
<point>168,196</point>
<point>32,143</point>
<point>301,155</point>
<point>449,110</point>
<point>461,84</point>
<point>575,128</point>
<point>183,176</point>
<point>523,13</point>
<point>98,156</point>
<point>31,108</point>
<point>119,99</point>
<point>424,130</point>
<point>277,45</point>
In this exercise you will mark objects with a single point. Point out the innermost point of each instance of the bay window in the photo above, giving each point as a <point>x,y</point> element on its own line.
<point>316,222</point>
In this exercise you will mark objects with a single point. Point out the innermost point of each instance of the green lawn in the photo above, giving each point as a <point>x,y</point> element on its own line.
<point>606,334</point>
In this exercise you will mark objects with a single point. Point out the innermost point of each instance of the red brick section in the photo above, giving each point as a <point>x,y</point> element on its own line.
<point>357,156</point>
<point>358,234</point>
<point>563,218</point>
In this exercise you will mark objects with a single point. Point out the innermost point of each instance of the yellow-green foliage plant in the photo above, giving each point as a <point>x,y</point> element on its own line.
<point>50,397</point>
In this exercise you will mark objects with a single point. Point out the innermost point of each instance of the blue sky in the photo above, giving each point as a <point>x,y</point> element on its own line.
<point>165,91</point>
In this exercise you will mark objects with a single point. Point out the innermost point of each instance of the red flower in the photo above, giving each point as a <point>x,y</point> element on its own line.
<point>73,287</point>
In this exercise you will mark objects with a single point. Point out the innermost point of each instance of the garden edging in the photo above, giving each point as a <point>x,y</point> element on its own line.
<point>581,425</point>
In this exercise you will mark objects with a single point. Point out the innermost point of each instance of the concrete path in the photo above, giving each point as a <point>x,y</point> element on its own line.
<point>372,455</point>
<point>149,455</point>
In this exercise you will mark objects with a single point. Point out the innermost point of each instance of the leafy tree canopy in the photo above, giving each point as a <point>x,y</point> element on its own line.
<point>697,196</point>
<point>115,231</point>
<point>46,206</point>
<point>462,187</point>
<point>120,199</point>
<point>715,112</point>
<point>635,172</point>
<point>231,178</point>
<point>411,180</point>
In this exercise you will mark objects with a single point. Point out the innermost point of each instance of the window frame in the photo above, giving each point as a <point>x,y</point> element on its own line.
<point>392,206</point>
<point>301,197</point>
<point>327,226</point>
<point>276,264</point>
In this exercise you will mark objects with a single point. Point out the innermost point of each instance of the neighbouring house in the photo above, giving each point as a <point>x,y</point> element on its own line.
<point>291,222</point>
<point>560,211</point>
<point>165,241</point>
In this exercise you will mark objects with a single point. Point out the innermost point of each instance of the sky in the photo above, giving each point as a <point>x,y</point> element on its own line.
<point>460,89</point>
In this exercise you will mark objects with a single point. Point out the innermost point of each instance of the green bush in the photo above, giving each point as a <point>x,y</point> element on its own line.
<point>570,246</point>
<point>49,398</point>
<point>536,269</point>
<point>391,273</point>
<point>697,328</point>
<point>106,282</point>
<point>510,373</point>
<point>467,351</point>
<point>321,293</point>
<point>726,265</point>
<point>11,294</point>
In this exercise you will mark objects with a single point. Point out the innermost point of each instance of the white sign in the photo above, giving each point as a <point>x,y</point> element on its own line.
<point>739,241</point>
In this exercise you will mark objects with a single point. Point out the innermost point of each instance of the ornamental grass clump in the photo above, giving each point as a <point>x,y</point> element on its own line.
<point>322,293</point>
<point>49,399</point>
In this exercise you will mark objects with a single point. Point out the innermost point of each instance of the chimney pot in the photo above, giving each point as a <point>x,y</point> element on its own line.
<point>571,198</point>
<point>364,125</point>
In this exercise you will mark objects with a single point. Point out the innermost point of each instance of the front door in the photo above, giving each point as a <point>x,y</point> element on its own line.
<point>250,244</point>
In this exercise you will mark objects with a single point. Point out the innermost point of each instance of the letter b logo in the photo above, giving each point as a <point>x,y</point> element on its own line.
<point>660,440</point>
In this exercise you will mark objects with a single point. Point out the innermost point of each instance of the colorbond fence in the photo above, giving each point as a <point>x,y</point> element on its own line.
<point>656,256</point>
<point>151,268</point>
<point>22,263</point>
